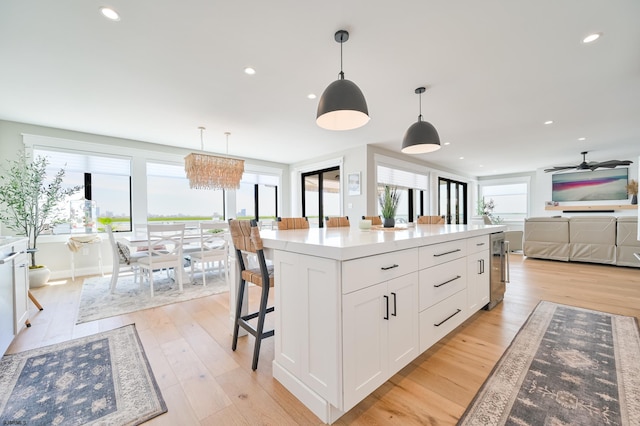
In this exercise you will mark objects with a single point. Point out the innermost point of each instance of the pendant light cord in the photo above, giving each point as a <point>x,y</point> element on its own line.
<point>341,72</point>
<point>420,106</point>
<point>201,140</point>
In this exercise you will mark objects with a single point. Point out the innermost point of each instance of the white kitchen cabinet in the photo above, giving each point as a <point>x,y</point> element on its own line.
<point>13,290</point>
<point>478,273</point>
<point>380,334</point>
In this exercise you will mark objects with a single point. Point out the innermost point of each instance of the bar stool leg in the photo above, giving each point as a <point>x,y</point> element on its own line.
<point>236,322</point>
<point>259,330</point>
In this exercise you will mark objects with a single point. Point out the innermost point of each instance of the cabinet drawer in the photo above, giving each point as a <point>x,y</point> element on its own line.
<point>441,281</point>
<point>439,320</point>
<point>440,253</point>
<point>366,271</point>
<point>477,244</point>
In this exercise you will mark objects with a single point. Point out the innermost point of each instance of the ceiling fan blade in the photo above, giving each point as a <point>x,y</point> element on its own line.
<point>559,168</point>
<point>609,164</point>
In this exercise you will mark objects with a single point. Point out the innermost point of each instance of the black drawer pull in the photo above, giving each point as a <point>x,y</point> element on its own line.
<point>479,244</point>
<point>395,308</point>
<point>448,318</point>
<point>445,253</point>
<point>386,299</point>
<point>447,282</point>
<point>386,268</point>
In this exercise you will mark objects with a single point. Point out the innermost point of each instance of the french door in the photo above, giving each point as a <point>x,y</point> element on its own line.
<point>321,195</point>
<point>452,201</point>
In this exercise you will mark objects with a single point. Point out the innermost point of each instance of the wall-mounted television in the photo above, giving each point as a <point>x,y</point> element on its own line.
<point>590,185</point>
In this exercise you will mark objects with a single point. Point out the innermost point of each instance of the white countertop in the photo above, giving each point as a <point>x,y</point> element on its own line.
<point>352,243</point>
<point>9,241</point>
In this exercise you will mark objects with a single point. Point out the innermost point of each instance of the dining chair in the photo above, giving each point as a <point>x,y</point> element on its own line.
<point>247,241</point>
<point>375,220</point>
<point>430,220</point>
<point>165,252</point>
<point>337,221</point>
<point>122,257</point>
<point>213,249</point>
<point>292,223</point>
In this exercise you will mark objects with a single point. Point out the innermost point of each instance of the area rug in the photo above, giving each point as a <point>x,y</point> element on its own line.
<point>566,366</point>
<point>100,379</point>
<point>96,301</point>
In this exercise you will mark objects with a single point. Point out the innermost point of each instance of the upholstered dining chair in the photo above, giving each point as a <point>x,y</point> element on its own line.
<point>165,251</point>
<point>213,248</point>
<point>292,223</point>
<point>375,220</point>
<point>122,257</point>
<point>246,240</point>
<point>431,220</point>
<point>337,221</point>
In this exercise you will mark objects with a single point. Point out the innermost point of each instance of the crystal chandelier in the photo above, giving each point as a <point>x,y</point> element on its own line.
<point>206,171</point>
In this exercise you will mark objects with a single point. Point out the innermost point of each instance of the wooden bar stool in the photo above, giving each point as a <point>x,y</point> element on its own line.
<point>246,239</point>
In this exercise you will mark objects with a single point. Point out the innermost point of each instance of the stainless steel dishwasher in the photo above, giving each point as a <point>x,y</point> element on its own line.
<point>499,252</point>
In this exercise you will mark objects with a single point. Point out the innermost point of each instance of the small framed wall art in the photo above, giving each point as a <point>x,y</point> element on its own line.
<point>353,183</point>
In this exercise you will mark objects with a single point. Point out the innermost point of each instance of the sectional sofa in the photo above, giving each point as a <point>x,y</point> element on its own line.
<point>597,239</point>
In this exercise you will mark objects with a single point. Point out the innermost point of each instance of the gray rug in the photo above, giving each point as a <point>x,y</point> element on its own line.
<point>97,302</point>
<point>566,366</point>
<point>100,379</point>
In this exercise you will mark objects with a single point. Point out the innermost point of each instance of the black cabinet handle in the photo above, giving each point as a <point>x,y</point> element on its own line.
<point>386,298</point>
<point>479,244</point>
<point>448,318</point>
<point>386,268</point>
<point>445,253</point>
<point>394,305</point>
<point>447,282</point>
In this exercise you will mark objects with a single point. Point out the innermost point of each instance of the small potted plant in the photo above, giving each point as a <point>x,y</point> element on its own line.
<point>30,204</point>
<point>632,189</point>
<point>388,199</point>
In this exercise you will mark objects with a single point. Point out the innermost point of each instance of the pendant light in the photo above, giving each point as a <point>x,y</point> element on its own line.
<point>342,106</point>
<point>421,137</point>
<point>206,171</point>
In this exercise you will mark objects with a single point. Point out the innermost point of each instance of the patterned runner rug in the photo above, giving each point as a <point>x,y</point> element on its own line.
<point>96,301</point>
<point>100,379</point>
<point>566,366</point>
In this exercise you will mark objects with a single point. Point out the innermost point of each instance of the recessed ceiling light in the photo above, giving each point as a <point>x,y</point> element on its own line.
<point>582,139</point>
<point>109,13</point>
<point>447,143</point>
<point>548,122</point>
<point>311,96</point>
<point>249,71</point>
<point>591,38</point>
<point>480,165</point>
<point>462,158</point>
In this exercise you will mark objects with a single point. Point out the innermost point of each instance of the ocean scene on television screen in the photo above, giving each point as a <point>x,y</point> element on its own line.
<point>590,186</point>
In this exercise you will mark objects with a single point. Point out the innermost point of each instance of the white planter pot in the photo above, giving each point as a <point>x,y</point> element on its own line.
<point>39,277</point>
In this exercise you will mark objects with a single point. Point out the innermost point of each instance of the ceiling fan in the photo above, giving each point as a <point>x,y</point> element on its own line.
<point>591,165</point>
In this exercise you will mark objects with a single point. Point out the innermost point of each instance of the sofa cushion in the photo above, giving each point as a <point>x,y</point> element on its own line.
<point>592,239</point>
<point>627,242</point>
<point>546,238</point>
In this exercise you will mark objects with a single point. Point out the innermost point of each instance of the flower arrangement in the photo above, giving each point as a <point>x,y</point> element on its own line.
<point>632,187</point>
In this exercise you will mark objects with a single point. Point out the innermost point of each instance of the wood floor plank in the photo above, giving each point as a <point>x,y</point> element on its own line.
<point>204,382</point>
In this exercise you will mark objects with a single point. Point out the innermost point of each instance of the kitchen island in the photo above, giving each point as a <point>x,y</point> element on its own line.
<point>14,288</point>
<point>353,307</point>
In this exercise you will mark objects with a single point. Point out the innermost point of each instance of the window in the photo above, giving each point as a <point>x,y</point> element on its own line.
<point>257,197</point>
<point>510,199</point>
<point>321,195</point>
<point>413,188</point>
<point>169,197</point>
<point>106,181</point>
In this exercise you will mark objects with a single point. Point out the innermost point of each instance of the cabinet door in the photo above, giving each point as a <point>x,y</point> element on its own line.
<point>478,273</point>
<point>21,288</point>
<point>365,359</point>
<point>404,340</point>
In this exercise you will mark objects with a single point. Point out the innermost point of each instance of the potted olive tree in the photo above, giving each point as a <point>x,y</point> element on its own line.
<point>30,203</point>
<point>388,200</point>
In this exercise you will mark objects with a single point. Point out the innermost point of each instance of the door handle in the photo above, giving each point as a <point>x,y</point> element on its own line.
<point>394,305</point>
<point>386,298</point>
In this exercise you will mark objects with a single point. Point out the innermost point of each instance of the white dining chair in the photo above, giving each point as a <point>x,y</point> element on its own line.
<point>122,257</point>
<point>164,252</point>
<point>213,250</point>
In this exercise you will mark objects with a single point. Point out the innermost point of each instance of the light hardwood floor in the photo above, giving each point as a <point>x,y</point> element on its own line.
<point>205,383</point>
